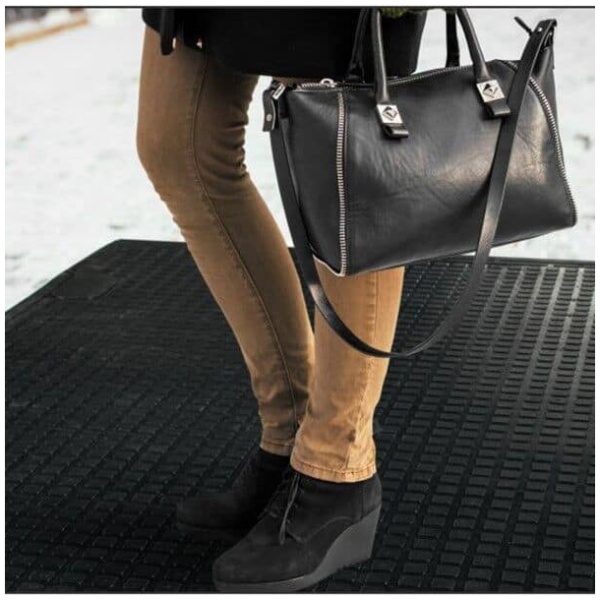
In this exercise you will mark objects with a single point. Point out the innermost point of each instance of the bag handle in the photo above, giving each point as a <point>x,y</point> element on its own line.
<point>488,88</point>
<point>356,71</point>
<point>540,36</point>
<point>452,47</point>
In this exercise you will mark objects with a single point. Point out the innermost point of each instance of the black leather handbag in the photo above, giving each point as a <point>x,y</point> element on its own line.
<point>439,163</point>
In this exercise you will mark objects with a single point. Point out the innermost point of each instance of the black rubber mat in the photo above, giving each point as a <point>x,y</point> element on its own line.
<point>125,392</point>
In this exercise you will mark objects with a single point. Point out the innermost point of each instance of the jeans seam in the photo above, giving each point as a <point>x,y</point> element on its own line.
<point>228,242</point>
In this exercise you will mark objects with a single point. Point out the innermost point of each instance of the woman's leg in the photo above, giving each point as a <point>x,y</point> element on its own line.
<point>335,441</point>
<point>239,249</point>
<point>190,139</point>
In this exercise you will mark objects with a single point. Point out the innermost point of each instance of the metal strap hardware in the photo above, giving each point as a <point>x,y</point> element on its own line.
<point>490,90</point>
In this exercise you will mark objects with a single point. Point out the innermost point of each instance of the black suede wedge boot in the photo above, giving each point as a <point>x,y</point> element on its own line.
<point>230,514</point>
<point>309,530</point>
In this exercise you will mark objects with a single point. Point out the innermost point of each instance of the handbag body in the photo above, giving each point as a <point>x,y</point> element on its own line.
<point>435,164</point>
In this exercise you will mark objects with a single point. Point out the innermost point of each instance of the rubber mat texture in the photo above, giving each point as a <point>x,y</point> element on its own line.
<point>125,392</point>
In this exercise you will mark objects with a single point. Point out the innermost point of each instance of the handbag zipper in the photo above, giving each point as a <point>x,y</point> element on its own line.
<point>331,84</point>
<point>339,167</point>
<point>324,83</point>
<point>554,131</point>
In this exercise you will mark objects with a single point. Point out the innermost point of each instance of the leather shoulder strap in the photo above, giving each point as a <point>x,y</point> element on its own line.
<point>493,206</point>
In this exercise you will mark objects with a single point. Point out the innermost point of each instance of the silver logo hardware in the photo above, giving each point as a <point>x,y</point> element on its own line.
<point>389,113</point>
<point>490,90</point>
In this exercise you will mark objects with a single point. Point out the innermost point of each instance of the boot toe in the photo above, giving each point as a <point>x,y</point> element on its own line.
<point>248,563</point>
<point>227,566</point>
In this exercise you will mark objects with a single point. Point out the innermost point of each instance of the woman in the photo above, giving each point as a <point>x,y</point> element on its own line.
<point>308,501</point>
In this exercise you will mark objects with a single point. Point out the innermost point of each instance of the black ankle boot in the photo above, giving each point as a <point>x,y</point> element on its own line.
<point>309,530</point>
<point>230,514</point>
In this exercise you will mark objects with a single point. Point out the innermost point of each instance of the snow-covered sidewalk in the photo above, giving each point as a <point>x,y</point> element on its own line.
<point>74,182</point>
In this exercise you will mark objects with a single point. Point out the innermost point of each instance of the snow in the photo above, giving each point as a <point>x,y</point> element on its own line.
<point>74,181</point>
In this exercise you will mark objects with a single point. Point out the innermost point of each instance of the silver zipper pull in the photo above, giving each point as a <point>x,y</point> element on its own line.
<point>270,97</point>
<point>328,82</point>
<point>278,91</point>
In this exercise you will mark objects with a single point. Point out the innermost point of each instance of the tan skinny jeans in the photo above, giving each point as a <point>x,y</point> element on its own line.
<point>316,395</point>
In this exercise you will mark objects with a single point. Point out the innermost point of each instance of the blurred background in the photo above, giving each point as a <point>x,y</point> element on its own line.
<point>72,176</point>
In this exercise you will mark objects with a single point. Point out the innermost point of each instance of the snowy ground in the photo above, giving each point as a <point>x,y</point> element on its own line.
<point>74,183</point>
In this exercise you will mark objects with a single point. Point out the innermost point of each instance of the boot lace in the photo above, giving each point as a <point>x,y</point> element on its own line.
<point>290,502</point>
<point>287,489</point>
